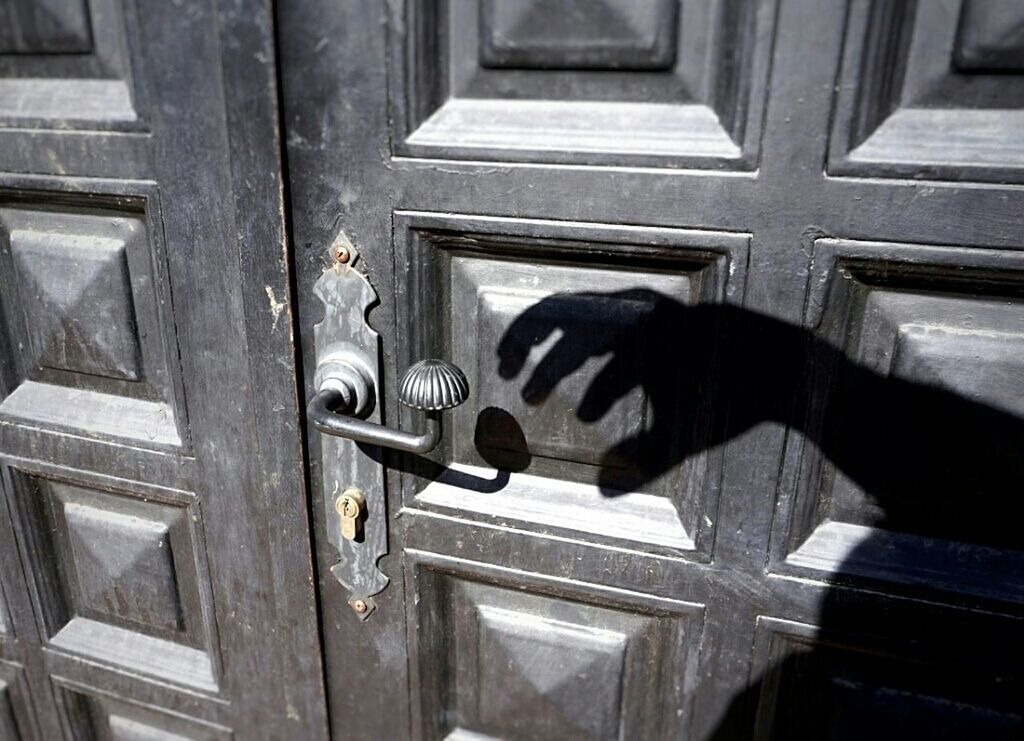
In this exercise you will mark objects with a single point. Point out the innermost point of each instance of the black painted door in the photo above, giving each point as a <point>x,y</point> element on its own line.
<point>738,290</point>
<point>154,555</point>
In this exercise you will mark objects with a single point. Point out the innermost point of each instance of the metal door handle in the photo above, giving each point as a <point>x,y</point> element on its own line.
<point>345,393</point>
<point>345,407</point>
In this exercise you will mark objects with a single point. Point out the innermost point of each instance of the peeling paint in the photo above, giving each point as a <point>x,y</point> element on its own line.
<point>276,307</point>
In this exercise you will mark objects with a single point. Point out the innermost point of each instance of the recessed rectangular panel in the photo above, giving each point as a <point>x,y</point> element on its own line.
<point>576,419</point>
<point>87,313</point>
<point>932,90</point>
<point>75,292</point>
<point>814,686</point>
<point>674,83</point>
<point>60,70</point>
<point>92,714</point>
<point>16,718</point>
<point>953,360</point>
<point>120,576</point>
<point>919,421</point>
<point>500,662</point>
<point>44,27</point>
<point>578,34</point>
<point>130,562</point>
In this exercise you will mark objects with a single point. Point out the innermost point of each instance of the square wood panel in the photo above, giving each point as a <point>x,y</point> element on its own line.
<point>931,90</point>
<point>75,291</point>
<point>907,468</point>
<point>87,317</point>
<point>65,65</point>
<point>858,683</point>
<point>557,432</point>
<point>122,575</point>
<point>498,661</point>
<point>45,27</point>
<point>92,714</point>
<point>674,83</point>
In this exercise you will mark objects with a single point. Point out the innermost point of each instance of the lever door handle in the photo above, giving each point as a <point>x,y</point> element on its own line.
<point>345,393</point>
<point>345,407</point>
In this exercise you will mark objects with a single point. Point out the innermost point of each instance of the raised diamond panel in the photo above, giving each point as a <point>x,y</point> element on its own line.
<point>76,294</point>
<point>129,561</point>
<point>89,320</point>
<point>501,662</point>
<point>124,564</point>
<point>578,34</point>
<point>534,662</point>
<point>121,575</point>
<point>551,426</point>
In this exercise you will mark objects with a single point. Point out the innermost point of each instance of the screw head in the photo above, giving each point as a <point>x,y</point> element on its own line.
<point>360,606</point>
<point>341,253</point>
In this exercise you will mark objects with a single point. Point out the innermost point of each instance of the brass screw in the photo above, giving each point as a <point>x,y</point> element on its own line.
<point>360,606</point>
<point>341,253</point>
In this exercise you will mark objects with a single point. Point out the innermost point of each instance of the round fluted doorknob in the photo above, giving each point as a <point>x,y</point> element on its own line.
<point>433,385</point>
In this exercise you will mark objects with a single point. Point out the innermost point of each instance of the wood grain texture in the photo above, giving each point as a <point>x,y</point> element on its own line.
<point>821,598</point>
<point>152,471</point>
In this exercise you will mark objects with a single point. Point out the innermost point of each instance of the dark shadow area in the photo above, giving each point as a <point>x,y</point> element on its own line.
<point>916,459</point>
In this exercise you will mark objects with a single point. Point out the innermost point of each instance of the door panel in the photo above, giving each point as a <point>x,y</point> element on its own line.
<point>740,322</point>
<point>857,684</point>
<point>653,83</point>
<point>84,301</point>
<point>592,662</point>
<point>944,329</point>
<point>155,554</point>
<point>953,104</point>
<point>511,283</point>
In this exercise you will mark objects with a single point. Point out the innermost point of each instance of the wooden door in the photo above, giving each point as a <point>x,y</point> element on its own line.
<point>738,290</point>
<point>154,556</point>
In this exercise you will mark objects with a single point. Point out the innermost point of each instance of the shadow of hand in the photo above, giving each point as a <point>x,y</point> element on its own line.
<point>710,371</point>
<point>677,355</point>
